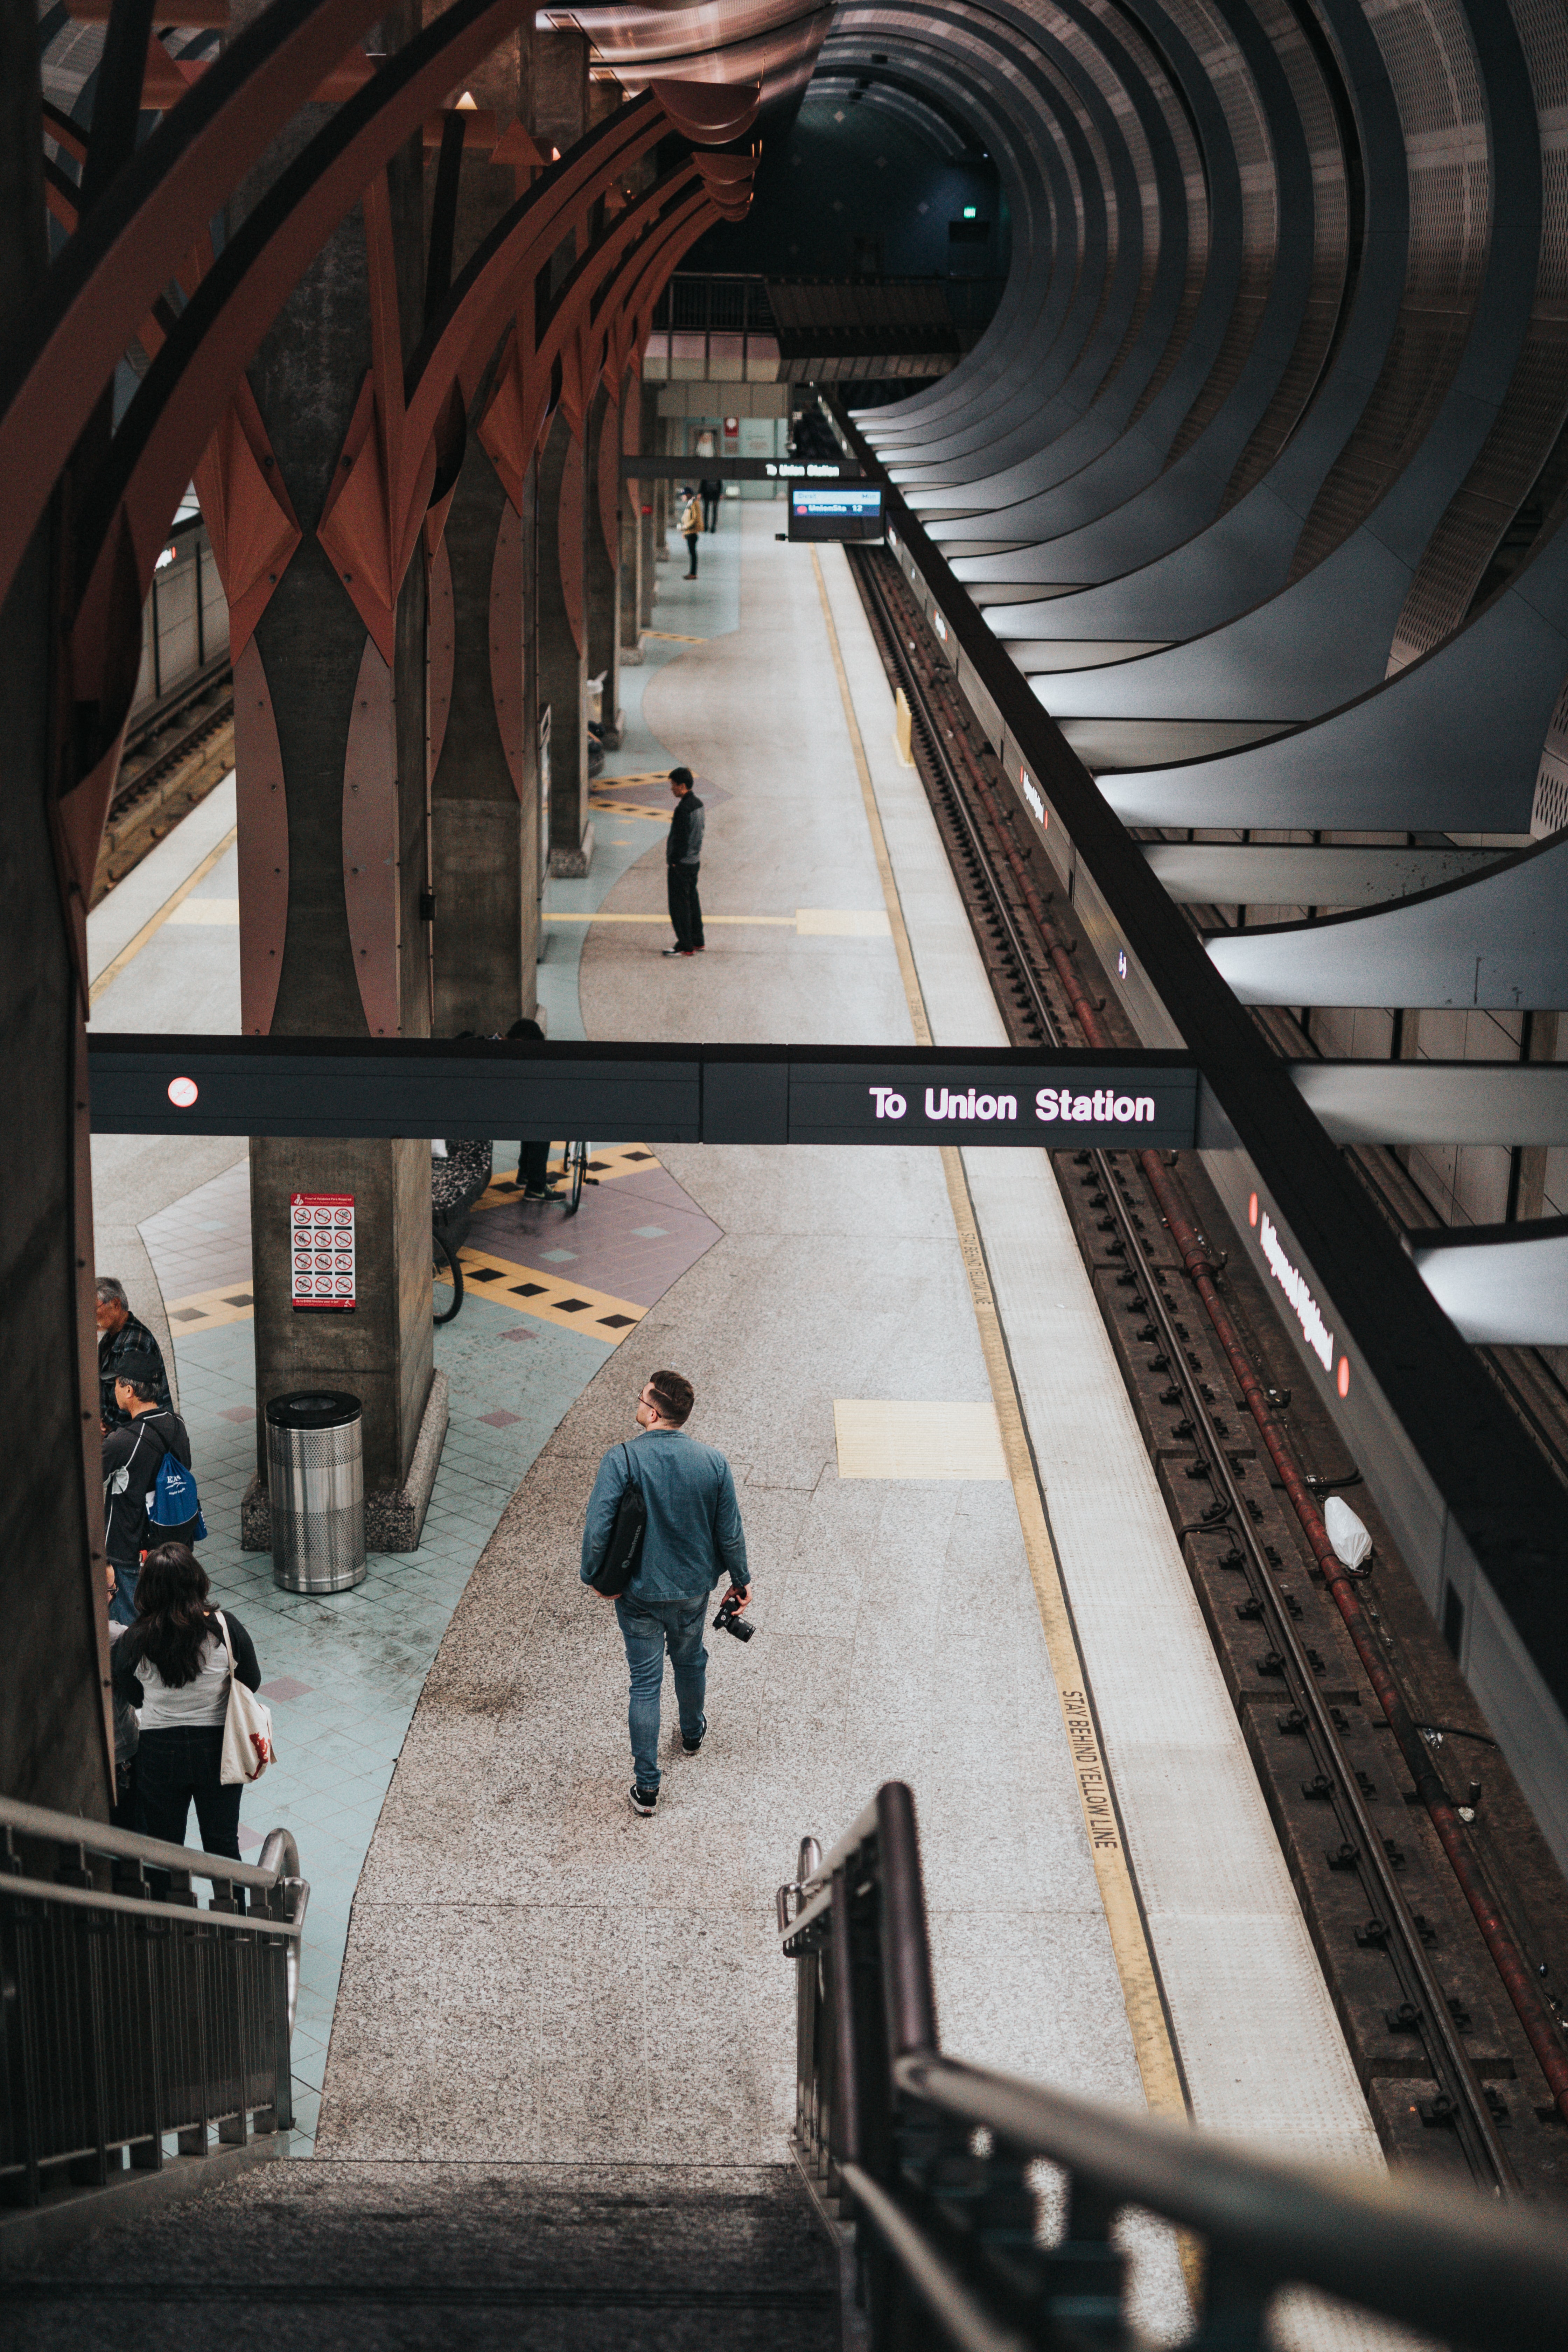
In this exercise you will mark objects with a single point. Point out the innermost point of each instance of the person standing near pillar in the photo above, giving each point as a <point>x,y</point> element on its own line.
<point>691,529</point>
<point>713,490</point>
<point>683,858</point>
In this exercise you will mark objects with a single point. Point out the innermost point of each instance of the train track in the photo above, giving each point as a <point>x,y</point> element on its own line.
<point>171,759</point>
<point>1413,1942</point>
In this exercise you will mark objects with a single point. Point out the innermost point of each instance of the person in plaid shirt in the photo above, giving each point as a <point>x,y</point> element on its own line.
<point>121,1338</point>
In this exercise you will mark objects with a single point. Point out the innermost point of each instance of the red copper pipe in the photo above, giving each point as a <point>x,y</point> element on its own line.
<point>1509,1960</point>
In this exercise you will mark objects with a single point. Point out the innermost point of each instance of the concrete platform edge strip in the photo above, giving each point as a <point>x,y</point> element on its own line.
<point>1148,2021</point>
<point>30,2232</point>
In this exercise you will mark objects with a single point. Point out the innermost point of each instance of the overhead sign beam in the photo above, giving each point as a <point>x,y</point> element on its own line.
<point>740,469</point>
<point>637,1093</point>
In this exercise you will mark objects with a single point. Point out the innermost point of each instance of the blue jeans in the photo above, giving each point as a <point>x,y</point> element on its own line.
<point>122,1600</point>
<point>647,1628</point>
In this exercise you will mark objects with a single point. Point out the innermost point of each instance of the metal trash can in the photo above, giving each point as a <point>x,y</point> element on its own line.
<point>315,1488</point>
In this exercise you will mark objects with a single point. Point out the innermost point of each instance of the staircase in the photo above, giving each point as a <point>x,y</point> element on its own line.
<point>324,2253</point>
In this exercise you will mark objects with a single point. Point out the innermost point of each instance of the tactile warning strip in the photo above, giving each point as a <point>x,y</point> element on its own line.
<point>884,1438</point>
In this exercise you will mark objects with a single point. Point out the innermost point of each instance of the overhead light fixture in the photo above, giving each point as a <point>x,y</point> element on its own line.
<point>969,212</point>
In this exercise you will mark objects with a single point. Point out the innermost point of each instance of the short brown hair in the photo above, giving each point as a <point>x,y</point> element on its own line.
<point>674,1395</point>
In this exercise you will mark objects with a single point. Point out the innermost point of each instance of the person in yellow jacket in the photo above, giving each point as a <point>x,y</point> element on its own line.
<point>691,529</point>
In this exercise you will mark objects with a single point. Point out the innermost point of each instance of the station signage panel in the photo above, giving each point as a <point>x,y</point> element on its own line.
<point>631,1093</point>
<point>847,510</point>
<point>1049,1105</point>
<point>321,1253</point>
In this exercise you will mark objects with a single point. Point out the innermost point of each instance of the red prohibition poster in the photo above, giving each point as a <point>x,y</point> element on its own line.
<point>321,1253</point>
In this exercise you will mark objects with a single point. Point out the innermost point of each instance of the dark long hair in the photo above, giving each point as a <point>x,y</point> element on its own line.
<point>172,1620</point>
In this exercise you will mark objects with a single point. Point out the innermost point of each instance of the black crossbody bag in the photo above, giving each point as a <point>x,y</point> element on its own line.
<point>623,1553</point>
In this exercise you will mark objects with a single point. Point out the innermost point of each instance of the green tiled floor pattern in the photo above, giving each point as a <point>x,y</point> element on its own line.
<point>360,1658</point>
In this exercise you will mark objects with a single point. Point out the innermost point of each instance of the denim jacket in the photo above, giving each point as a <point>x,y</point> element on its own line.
<point>694,1536</point>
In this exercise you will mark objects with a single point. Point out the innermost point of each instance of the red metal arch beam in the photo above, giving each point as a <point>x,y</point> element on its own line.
<point>61,348</point>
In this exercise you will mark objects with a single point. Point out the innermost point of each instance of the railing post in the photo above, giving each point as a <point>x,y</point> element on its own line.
<point>18,1946</point>
<point>908,1996</point>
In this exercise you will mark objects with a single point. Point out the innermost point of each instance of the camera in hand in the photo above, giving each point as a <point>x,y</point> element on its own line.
<point>730,1621</point>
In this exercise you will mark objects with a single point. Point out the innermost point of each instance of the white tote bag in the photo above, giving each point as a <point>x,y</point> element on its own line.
<point>248,1747</point>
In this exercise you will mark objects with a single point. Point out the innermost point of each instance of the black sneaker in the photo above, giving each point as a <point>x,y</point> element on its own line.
<point>692,1745</point>
<point>642,1801</point>
<point>678,951</point>
<point>542,1196</point>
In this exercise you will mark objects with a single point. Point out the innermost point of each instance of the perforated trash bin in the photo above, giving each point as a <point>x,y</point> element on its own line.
<point>315,1487</point>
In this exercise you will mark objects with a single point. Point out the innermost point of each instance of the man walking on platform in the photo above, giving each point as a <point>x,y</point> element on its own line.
<point>692,1539</point>
<point>682,861</point>
<point>713,492</point>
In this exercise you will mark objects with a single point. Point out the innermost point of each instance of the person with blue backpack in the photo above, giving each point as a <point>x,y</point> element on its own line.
<point>149,1489</point>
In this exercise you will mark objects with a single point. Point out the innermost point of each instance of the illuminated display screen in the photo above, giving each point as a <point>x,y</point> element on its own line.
<point>839,510</point>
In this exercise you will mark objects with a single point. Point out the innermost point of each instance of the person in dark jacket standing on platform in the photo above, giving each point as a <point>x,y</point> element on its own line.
<point>693,1538</point>
<point>133,1455</point>
<point>713,492</point>
<point>173,1665</point>
<point>682,861</point>
<point>119,1335</point>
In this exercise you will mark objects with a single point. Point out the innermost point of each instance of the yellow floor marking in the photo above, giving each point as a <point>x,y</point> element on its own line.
<point>206,1310</point>
<point>629,808</point>
<point>907,973</point>
<point>111,972</point>
<point>672,637</point>
<point>881,1438</point>
<point>1154,2042</point>
<point>806,922</point>
<point>530,1291</point>
<point>207,910</point>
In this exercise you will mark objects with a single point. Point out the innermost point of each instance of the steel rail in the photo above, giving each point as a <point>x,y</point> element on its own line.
<point>1433,2257</point>
<point>1451,2061</point>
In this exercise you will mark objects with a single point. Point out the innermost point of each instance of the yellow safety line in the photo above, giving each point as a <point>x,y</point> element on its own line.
<point>111,972</point>
<point>670,638</point>
<point>602,918</point>
<point>1151,2039</point>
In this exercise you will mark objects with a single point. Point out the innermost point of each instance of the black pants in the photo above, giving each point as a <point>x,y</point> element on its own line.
<point>173,1768</point>
<point>710,513</point>
<point>691,538</point>
<point>685,907</point>
<point>532,1166</point>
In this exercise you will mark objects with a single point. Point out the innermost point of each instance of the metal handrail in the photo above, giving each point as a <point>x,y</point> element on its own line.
<point>280,1853</point>
<point>133,2012</point>
<point>99,1837</point>
<point>928,2157</point>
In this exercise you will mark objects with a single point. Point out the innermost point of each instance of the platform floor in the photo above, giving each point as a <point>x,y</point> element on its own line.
<point>533,1974</point>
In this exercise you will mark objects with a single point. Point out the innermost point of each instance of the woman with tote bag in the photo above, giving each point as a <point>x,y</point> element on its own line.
<point>192,1672</point>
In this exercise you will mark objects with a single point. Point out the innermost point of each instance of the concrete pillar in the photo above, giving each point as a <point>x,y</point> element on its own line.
<point>561,543</point>
<point>560,94</point>
<point>647,587</point>
<point>335,938</point>
<point>55,1741</point>
<point>664,443</point>
<point>484,808</point>
<point>602,558</point>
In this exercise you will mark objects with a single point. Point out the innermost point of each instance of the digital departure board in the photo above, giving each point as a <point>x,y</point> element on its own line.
<point>835,510</point>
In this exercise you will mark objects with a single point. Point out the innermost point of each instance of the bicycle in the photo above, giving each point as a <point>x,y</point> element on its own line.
<point>573,1173</point>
